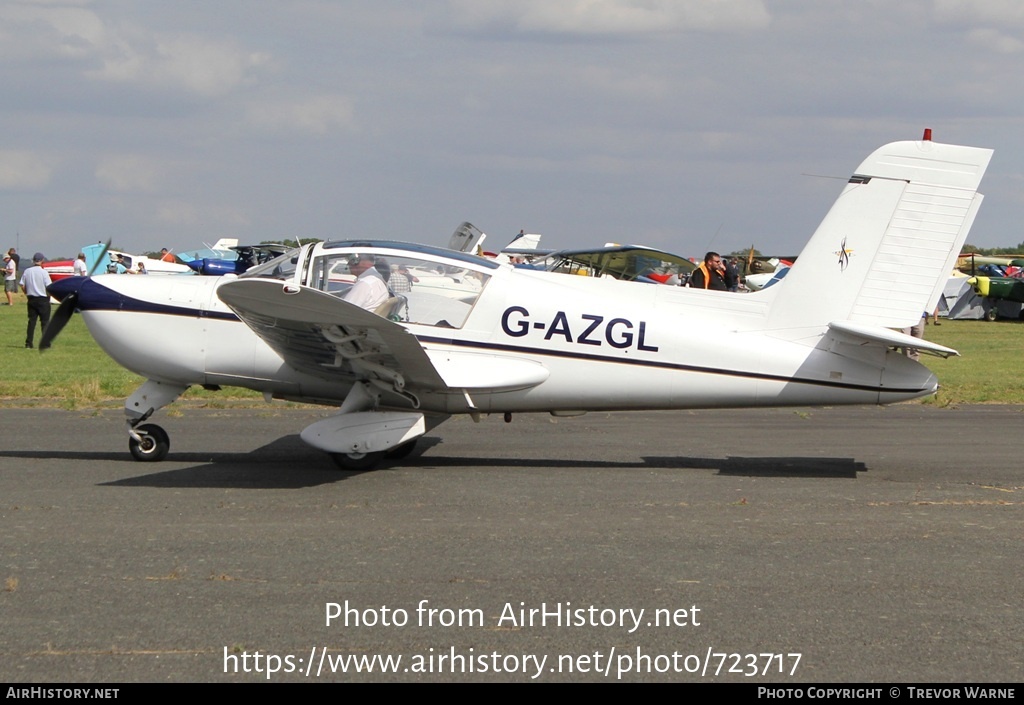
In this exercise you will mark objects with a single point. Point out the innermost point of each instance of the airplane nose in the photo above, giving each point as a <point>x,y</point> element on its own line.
<point>67,292</point>
<point>62,288</point>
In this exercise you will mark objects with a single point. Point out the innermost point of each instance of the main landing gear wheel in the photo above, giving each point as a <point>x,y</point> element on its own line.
<point>154,446</point>
<point>357,461</point>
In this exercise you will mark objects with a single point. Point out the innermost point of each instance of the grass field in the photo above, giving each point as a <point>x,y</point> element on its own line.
<point>76,373</point>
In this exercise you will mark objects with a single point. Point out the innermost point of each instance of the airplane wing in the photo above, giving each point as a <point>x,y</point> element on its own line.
<point>320,334</point>
<point>272,248</point>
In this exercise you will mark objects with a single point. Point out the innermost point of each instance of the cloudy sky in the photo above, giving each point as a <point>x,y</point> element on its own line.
<point>681,124</point>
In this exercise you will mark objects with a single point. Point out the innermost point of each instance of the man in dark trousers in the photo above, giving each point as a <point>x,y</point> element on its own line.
<point>710,274</point>
<point>732,274</point>
<point>34,281</point>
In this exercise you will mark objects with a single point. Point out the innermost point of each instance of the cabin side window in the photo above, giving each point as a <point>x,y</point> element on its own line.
<point>437,294</point>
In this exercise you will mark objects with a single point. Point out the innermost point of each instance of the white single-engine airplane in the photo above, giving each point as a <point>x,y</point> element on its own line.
<point>514,340</point>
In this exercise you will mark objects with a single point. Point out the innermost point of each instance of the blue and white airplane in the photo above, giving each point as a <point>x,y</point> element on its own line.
<point>496,339</point>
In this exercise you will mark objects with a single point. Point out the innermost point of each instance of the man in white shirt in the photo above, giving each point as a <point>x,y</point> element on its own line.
<point>34,281</point>
<point>80,268</point>
<point>10,278</point>
<point>370,290</point>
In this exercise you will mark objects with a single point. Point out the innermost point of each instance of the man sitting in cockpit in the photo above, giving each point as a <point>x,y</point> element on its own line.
<point>369,290</point>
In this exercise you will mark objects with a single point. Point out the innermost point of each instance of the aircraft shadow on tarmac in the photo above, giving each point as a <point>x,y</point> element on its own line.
<point>288,463</point>
<point>835,468</point>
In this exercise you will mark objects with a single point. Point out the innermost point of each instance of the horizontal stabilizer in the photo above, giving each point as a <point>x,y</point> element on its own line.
<point>859,333</point>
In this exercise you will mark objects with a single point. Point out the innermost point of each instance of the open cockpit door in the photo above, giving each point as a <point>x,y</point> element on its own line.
<point>467,238</point>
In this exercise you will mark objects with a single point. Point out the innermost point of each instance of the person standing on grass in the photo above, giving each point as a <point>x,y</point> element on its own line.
<point>10,278</point>
<point>34,281</point>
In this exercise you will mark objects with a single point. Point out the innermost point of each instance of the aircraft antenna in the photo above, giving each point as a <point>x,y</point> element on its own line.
<point>714,237</point>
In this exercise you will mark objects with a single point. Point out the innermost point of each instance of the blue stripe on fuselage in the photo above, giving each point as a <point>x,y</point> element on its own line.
<point>93,296</point>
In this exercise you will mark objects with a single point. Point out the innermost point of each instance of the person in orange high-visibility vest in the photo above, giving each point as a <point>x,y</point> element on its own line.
<point>710,274</point>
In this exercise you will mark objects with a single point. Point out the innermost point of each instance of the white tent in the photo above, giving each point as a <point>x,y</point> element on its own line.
<point>960,302</point>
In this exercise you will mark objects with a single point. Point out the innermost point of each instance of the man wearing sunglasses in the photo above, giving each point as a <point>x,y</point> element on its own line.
<point>710,274</point>
<point>369,290</point>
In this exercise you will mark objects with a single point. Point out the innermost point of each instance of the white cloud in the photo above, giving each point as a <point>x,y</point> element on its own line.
<point>129,174</point>
<point>319,115</point>
<point>38,30</point>
<point>197,64</point>
<point>23,170</point>
<point>996,41</point>
<point>992,25</point>
<point>611,16</point>
<point>121,52</point>
<point>989,12</point>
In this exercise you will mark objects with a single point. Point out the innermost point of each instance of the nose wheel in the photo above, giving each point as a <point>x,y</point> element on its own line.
<point>152,443</point>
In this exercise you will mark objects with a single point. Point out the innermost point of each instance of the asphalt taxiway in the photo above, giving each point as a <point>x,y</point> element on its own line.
<point>881,545</point>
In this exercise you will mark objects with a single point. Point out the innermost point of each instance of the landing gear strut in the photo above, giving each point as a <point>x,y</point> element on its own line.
<point>149,443</point>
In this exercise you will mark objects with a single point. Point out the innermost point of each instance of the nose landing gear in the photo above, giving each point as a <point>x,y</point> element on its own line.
<point>149,443</point>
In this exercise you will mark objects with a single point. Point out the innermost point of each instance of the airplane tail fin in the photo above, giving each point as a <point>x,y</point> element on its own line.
<point>526,241</point>
<point>886,248</point>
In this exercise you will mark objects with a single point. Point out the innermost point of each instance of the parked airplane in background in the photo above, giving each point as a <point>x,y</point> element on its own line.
<point>469,238</point>
<point>970,263</point>
<point>59,268</point>
<point>222,249</point>
<point>243,257</point>
<point>517,340</point>
<point>625,262</point>
<point>771,271</point>
<point>98,257</point>
<point>996,289</point>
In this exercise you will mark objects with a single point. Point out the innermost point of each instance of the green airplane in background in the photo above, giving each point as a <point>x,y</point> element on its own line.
<point>999,289</point>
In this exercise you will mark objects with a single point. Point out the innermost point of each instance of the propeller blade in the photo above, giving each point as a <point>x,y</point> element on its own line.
<point>100,260</point>
<point>58,320</point>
